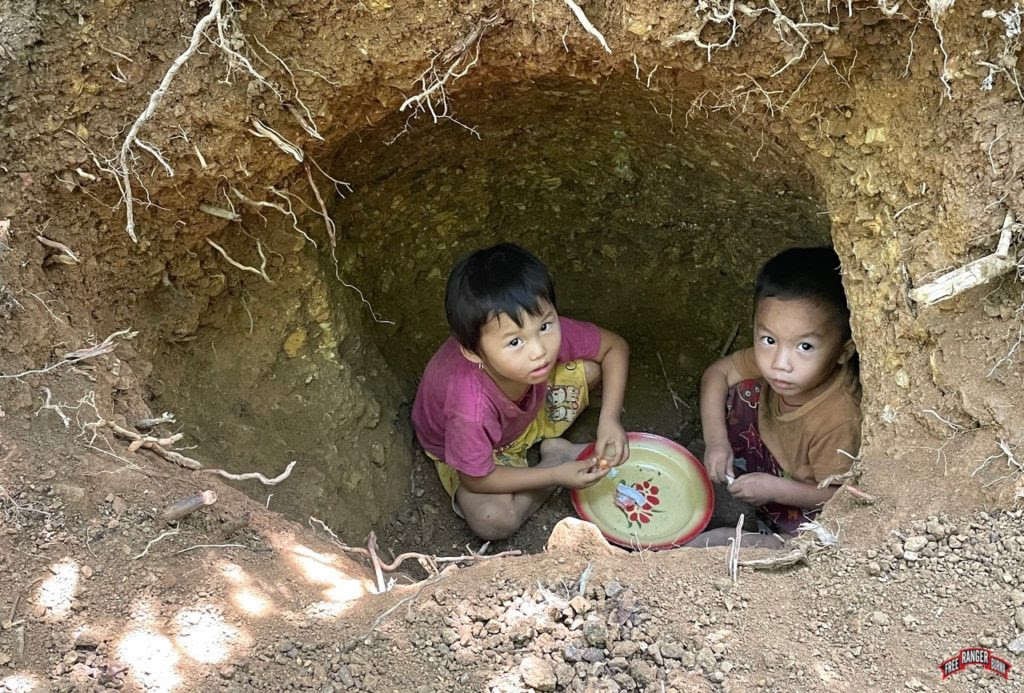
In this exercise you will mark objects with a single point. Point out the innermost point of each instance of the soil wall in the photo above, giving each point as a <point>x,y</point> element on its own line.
<point>915,147</point>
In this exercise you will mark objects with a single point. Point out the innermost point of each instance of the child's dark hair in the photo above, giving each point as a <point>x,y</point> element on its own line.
<point>501,279</point>
<point>811,274</point>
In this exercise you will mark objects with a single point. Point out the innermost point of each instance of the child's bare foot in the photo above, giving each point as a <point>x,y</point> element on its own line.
<point>555,451</point>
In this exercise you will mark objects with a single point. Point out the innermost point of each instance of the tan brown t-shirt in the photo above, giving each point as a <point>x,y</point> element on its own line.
<point>805,440</point>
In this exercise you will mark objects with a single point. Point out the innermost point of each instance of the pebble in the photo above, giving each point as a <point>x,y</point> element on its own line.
<point>571,653</point>
<point>915,543</point>
<point>936,530</point>
<point>642,672</point>
<point>672,650</point>
<point>1018,617</point>
<point>592,655</point>
<point>880,618</point>
<point>87,572</point>
<point>580,604</point>
<point>1016,646</point>
<point>706,659</point>
<point>538,674</point>
<point>874,568</point>
<point>596,632</point>
<point>613,589</point>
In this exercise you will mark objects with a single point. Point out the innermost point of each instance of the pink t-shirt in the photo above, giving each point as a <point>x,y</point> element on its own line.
<point>461,416</point>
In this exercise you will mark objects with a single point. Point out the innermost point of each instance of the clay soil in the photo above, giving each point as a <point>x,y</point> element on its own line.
<point>849,123</point>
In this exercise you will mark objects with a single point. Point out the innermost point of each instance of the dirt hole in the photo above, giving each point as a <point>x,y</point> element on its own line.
<point>653,226</point>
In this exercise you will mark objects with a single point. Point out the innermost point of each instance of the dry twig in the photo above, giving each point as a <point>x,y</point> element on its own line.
<point>587,25</point>
<point>163,535</point>
<point>105,347</point>
<point>254,475</point>
<point>354,643</point>
<point>974,273</point>
<point>473,557</point>
<point>157,445</point>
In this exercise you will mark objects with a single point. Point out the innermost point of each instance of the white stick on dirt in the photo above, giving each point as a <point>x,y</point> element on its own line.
<point>164,535</point>
<point>57,245</point>
<point>590,28</point>
<point>255,475</point>
<point>148,442</point>
<point>154,101</point>
<point>261,272</point>
<point>976,273</point>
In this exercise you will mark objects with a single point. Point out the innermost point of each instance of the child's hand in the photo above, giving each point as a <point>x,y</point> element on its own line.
<point>756,488</point>
<point>578,473</point>
<point>718,462</point>
<point>612,446</point>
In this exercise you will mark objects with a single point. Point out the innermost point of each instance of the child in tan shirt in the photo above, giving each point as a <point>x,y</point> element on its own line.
<point>784,415</point>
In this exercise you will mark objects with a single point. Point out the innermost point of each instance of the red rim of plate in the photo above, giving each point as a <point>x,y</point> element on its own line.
<point>681,539</point>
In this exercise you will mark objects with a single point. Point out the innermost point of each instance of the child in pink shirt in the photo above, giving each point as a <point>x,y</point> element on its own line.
<point>515,373</point>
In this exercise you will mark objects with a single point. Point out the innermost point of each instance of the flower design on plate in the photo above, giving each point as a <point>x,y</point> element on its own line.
<point>641,514</point>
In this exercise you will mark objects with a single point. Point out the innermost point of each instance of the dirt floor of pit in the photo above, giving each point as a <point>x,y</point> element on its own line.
<point>90,604</point>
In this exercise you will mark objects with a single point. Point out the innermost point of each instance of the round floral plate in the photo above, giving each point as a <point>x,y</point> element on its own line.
<point>667,501</point>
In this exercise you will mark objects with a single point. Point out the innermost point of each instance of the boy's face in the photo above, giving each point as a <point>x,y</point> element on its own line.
<point>517,357</point>
<point>798,345</point>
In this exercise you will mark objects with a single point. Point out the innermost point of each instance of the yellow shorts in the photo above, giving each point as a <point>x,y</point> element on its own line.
<point>567,396</point>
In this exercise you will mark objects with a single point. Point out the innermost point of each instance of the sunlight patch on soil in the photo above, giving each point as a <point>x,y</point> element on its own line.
<point>57,591</point>
<point>152,658</point>
<point>247,598</point>
<point>341,588</point>
<point>251,602</point>
<point>20,683</point>
<point>204,636</point>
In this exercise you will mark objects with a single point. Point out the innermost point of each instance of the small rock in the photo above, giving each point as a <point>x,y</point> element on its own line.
<point>642,672</point>
<point>688,660</point>
<point>227,672</point>
<point>564,674</point>
<point>625,648</point>
<point>934,528</point>
<point>1018,617</point>
<point>580,604</point>
<point>538,674</point>
<point>706,659</point>
<point>911,555</point>
<point>575,536</point>
<point>874,568</point>
<point>592,655</point>
<point>913,684</point>
<point>880,618</point>
<point>596,632</point>
<point>87,572</point>
<point>672,650</point>
<point>294,342</point>
<point>654,652</point>
<point>1016,646</point>
<point>571,653</point>
<point>915,543</point>
<point>118,506</point>
<point>345,676</point>
<point>716,676</point>
<point>5,659</point>
<point>284,646</point>
<point>613,590</point>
